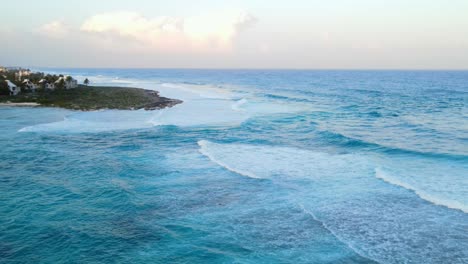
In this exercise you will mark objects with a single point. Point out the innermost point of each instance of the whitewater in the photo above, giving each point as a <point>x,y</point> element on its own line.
<point>255,166</point>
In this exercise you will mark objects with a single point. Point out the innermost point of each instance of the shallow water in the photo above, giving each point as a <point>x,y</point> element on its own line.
<point>254,167</point>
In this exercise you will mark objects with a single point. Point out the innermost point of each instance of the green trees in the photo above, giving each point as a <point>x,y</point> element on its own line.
<point>24,88</point>
<point>35,76</point>
<point>10,75</point>
<point>4,88</point>
<point>32,81</point>
<point>49,78</point>
<point>60,84</point>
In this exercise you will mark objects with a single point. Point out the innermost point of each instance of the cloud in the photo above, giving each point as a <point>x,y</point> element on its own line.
<point>54,29</point>
<point>210,32</point>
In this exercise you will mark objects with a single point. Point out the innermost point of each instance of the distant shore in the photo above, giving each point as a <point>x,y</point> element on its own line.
<point>88,98</point>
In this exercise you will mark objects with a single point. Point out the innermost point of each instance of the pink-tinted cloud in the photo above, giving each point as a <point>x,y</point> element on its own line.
<point>212,32</point>
<point>54,29</point>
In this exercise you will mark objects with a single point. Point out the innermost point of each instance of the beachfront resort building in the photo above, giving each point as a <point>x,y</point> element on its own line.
<point>47,85</point>
<point>27,84</point>
<point>14,90</point>
<point>68,82</point>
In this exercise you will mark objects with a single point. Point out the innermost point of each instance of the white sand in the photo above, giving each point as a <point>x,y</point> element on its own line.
<point>19,104</point>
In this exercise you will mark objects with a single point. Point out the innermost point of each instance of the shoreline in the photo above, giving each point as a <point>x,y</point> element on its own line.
<point>90,98</point>
<point>20,104</point>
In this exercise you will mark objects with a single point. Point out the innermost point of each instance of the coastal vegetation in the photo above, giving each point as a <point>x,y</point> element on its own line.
<point>63,91</point>
<point>4,87</point>
<point>94,97</point>
<point>28,81</point>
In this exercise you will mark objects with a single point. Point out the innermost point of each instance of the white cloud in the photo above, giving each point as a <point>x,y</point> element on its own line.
<point>211,32</point>
<point>54,29</point>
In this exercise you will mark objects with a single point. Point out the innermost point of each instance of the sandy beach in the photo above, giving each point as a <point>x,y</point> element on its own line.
<point>19,104</point>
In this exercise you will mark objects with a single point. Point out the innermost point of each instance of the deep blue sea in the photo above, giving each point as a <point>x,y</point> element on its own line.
<point>256,166</point>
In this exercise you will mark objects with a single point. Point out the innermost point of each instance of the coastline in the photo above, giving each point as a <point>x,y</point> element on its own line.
<point>221,149</point>
<point>89,98</point>
<point>20,104</point>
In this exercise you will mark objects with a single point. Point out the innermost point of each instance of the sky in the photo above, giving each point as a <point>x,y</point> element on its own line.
<point>294,34</point>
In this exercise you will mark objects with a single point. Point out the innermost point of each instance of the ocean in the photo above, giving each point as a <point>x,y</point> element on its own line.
<point>256,166</point>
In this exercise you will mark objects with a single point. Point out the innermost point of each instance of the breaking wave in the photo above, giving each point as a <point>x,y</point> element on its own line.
<point>453,204</point>
<point>342,192</point>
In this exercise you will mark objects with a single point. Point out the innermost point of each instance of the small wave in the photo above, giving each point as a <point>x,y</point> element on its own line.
<point>275,96</point>
<point>380,174</point>
<point>193,91</point>
<point>348,141</point>
<point>236,106</point>
<point>374,114</point>
<point>287,98</point>
<point>122,81</point>
<point>204,145</point>
<point>267,162</point>
<point>354,249</point>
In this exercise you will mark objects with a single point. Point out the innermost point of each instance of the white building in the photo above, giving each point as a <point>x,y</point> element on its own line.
<point>14,90</point>
<point>70,84</point>
<point>29,85</point>
<point>22,73</point>
<point>47,85</point>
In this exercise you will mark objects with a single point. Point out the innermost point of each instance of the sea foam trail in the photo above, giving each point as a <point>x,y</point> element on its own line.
<point>203,105</point>
<point>95,121</point>
<point>204,145</point>
<point>372,217</point>
<point>357,251</point>
<point>267,162</point>
<point>452,204</point>
<point>237,105</point>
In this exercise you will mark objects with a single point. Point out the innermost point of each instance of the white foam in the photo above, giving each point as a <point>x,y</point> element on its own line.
<point>342,192</point>
<point>204,145</point>
<point>432,198</point>
<point>96,121</point>
<point>238,104</point>
<point>192,91</point>
<point>357,251</point>
<point>443,185</point>
<point>211,107</point>
<point>203,105</point>
<point>267,161</point>
<point>200,113</point>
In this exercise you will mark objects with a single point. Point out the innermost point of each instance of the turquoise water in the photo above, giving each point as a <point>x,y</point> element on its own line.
<point>254,167</point>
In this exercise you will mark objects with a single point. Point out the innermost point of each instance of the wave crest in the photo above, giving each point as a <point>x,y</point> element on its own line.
<point>204,145</point>
<point>452,204</point>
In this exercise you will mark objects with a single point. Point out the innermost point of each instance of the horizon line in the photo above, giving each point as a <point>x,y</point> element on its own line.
<point>251,69</point>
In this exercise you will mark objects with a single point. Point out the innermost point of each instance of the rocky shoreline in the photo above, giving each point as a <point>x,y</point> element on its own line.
<point>88,98</point>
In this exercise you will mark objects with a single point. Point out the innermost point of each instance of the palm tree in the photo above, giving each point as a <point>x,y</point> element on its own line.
<point>4,87</point>
<point>86,81</point>
<point>60,84</point>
